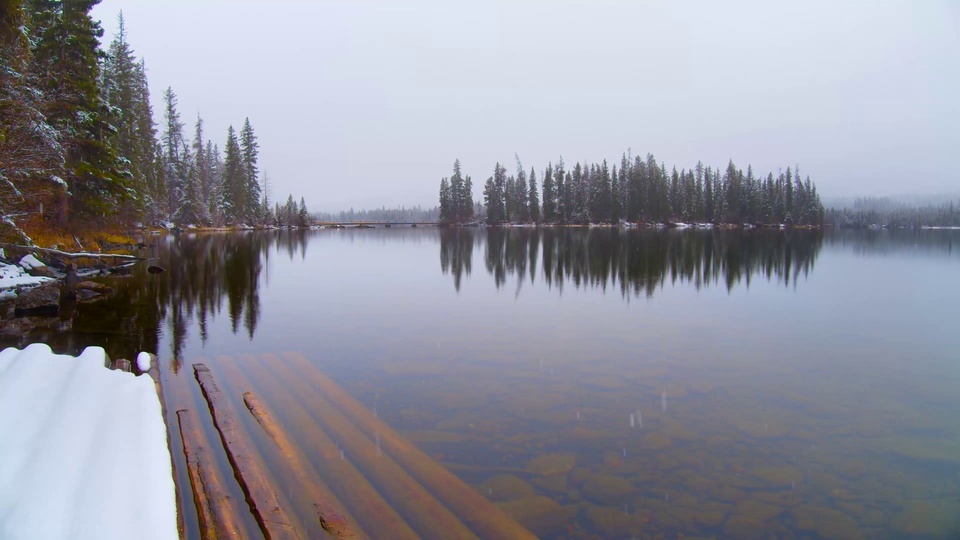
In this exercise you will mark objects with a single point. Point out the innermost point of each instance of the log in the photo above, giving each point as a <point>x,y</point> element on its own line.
<point>122,364</point>
<point>272,518</point>
<point>216,511</point>
<point>69,255</point>
<point>428,516</point>
<point>481,515</point>
<point>154,373</point>
<point>328,509</point>
<point>376,516</point>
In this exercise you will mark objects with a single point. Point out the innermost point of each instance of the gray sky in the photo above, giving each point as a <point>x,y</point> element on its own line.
<point>367,104</point>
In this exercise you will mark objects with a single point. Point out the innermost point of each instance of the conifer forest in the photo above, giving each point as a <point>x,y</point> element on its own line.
<point>79,142</point>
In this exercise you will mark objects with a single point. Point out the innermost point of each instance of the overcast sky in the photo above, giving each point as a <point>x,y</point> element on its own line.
<point>366,104</point>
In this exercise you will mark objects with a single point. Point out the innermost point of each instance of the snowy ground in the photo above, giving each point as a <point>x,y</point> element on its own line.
<point>12,276</point>
<point>83,450</point>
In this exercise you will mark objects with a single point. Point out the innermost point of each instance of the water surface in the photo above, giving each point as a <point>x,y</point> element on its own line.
<point>604,383</point>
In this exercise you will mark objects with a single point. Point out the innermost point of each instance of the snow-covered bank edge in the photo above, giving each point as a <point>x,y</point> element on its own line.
<point>84,452</point>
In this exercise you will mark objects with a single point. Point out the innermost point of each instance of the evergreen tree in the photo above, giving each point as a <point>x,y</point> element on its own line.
<point>534,198</point>
<point>446,201</point>
<point>251,185</point>
<point>175,162</point>
<point>31,156</point>
<point>549,196</point>
<point>303,218</point>
<point>234,191</point>
<point>75,106</point>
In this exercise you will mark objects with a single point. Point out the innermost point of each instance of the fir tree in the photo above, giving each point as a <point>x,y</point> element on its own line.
<point>250,150</point>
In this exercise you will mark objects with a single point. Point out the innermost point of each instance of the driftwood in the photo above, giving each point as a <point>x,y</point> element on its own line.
<point>69,255</point>
<point>488,520</point>
<point>272,518</point>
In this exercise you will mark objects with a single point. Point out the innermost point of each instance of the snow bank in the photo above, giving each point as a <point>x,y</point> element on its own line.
<point>83,451</point>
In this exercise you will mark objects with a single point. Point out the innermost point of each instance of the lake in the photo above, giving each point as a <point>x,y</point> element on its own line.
<point>600,383</point>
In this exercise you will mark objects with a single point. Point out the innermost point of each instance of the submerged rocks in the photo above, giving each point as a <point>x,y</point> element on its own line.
<point>505,487</point>
<point>44,299</point>
<point>607,489</point>
<point>552,464</point>
<point>542,515</point>
<point>16,327</point>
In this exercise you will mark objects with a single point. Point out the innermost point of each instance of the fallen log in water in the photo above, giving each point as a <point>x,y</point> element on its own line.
<point>272,518</point>
<point>474,509</point>
<point>216,511</point>
<point>316,502</point>
<point>376,516</point>
<point>328,512</point>
<point>428,516</point>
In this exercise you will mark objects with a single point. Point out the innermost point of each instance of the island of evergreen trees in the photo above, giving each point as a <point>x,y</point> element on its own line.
<point>78,143</point>
<point>639,191</point>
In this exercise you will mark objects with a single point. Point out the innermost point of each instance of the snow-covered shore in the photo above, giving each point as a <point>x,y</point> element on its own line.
<point>83,450</point>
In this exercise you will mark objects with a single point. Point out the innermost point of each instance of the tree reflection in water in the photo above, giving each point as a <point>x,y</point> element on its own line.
<point>634,261</point>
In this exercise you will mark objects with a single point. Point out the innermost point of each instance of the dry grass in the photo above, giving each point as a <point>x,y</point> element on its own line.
<point>92,238</point>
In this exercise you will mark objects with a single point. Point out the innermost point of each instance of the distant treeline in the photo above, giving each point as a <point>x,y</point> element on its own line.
<point>78,141</point>
<point>395,215</point>
<point>639,190</point>
<point>885,212</point>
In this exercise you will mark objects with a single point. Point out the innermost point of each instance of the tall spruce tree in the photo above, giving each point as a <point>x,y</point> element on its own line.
<point>534,197</point>
<point>250,151</point>
<point>234,191</point>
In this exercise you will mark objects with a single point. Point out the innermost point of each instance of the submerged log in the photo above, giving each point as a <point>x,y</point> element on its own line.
<point>328,510</point>
<point>272,518</point>
<point>488,520</point>
<point>216,511</point>
<point>428,516</point>
<point>375,515</point>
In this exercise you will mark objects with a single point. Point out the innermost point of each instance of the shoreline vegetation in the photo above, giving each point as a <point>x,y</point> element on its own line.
<point>79,144</point>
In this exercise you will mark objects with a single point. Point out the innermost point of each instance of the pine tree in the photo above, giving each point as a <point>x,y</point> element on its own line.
<point>249,151</point>
<point>75,106</point>
<point>549,195</point>
<point>174,160</point>
<point>534,198</point>
<point>303,218</point>
<point>31,156</point>
<point>446,202</point>
<point>234,191</point>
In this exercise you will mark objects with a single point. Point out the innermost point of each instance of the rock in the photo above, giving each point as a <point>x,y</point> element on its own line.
<point>655,441</point>
<point>552,464</point>
<point>45,299</point>
<point>930,518</point>
<point>756,510</point>
<point>613,523</point>
<point>826,522</point>
<point>154,269</point>
<point>505,487</point>
<point>552,484</point>
<point>93,286</point>
<point>744,527</point>
<point>42,271</point>
<point>16,327</point>
<point>607,489</point>
<point>542,515</point>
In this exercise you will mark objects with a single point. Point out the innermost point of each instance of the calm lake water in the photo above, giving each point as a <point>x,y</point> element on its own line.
<point>602,383</point>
